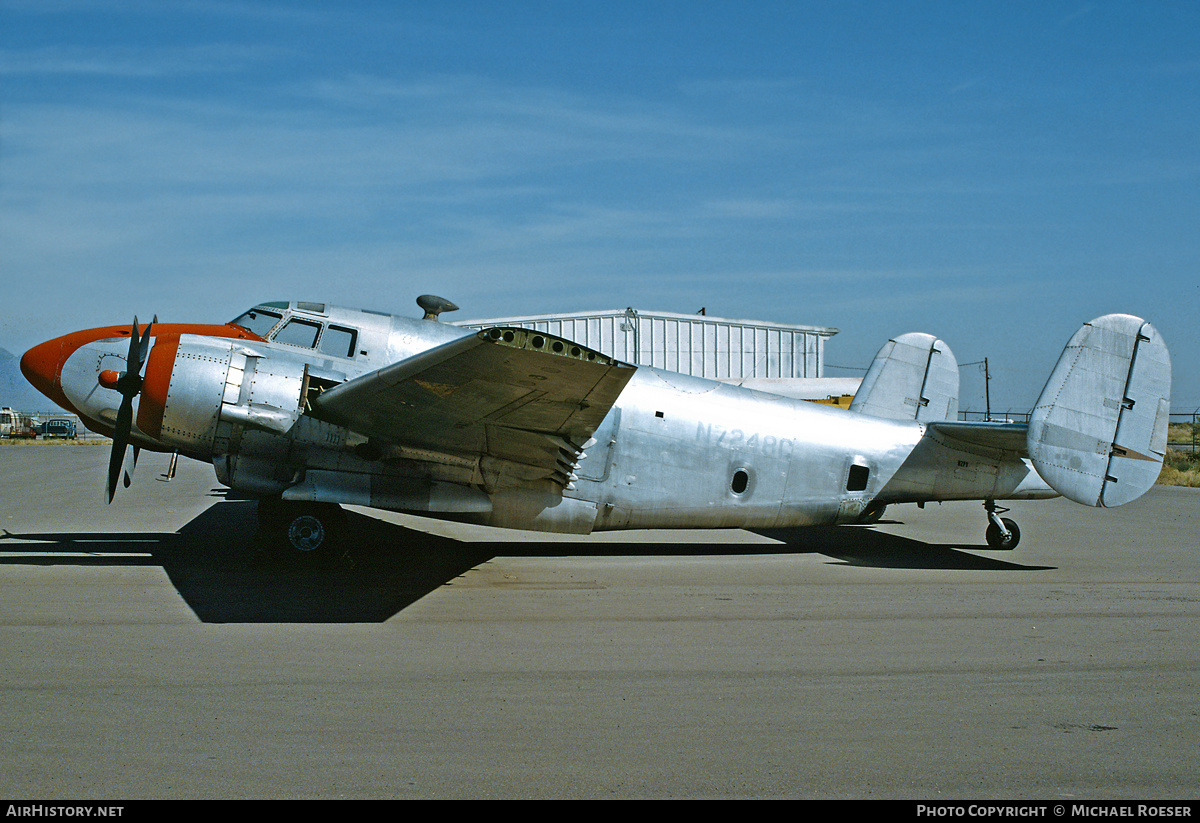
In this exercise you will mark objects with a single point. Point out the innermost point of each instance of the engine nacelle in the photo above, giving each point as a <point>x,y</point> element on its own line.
<point>194,383</point>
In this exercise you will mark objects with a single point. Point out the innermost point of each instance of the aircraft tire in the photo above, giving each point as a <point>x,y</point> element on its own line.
<point>995,539</point>
<point>873,514</point>
<point>301,533</point>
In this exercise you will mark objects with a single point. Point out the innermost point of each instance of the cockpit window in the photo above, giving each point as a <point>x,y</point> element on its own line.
<point>338,341</point>
<point>258,321</point>
<point>299,333</point>
<point>335,341</point>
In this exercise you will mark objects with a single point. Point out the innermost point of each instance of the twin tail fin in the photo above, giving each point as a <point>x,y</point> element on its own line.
<point>913,377</point>
<point>1098,433</point>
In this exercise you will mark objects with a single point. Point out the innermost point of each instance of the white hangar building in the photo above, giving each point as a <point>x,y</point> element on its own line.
<point>754,352</point>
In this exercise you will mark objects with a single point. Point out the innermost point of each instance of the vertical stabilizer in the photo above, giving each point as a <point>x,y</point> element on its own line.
<point>913,377</point>
<point>1098,433</point>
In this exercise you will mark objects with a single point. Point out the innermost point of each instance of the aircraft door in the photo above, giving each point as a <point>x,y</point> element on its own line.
<point>856,494</point>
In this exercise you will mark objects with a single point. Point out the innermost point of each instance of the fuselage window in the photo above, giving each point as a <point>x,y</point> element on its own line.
<point>299,333</point>
<point>857,480</point>
<point>740,482</point>
<point>338,341</point>
<point>258,321</point>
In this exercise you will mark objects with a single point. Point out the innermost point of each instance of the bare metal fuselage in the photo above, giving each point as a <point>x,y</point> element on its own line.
<point>310,407</point>
<point>684,451</point>
<point>674,451</point>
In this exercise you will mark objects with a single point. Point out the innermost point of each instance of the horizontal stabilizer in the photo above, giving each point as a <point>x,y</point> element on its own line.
<point>913,377</point>
<point>1098,433</point>
<point>1009,437</point>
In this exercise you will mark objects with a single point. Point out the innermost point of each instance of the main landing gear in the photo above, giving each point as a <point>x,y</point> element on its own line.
<point>1002,533</point>
<point>301,533</point>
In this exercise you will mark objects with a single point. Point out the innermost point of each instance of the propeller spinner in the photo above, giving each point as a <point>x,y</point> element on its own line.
<point>129,384</point>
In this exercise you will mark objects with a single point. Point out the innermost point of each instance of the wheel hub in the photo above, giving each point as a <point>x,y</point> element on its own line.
<point>306,533</point>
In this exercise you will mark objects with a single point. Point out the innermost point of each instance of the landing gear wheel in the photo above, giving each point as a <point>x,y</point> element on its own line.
<point>872,514</point>
<point>302,533</point>
<point>1001,533</point>
<point>996,538</point>
<point>307,533</point>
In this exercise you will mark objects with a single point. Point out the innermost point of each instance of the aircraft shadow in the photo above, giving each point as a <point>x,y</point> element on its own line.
<point>225,576</point>
<point>218,567</point>
<point>864,546</point>
<point>847,545</point>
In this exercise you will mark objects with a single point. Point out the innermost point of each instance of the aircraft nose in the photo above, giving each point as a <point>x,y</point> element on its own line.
<point>43,365</point>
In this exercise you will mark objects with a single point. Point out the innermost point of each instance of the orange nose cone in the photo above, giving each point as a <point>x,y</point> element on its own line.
<point>42,366</point>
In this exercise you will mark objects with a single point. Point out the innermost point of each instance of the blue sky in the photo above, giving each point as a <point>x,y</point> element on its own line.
<point>993,173</point>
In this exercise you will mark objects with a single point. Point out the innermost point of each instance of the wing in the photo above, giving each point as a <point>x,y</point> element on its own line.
<point>527,399</point>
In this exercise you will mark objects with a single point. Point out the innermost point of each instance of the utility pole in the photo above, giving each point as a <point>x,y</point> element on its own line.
<point>987,390</point>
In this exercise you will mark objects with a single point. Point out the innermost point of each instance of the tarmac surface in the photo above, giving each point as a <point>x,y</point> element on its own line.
<point>147,651</point>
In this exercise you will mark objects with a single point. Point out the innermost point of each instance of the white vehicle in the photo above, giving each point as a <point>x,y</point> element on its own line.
<point>14,424</point>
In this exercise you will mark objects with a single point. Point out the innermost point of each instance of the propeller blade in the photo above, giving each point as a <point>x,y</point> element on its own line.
<point>144,343</point>
<point>116,458</point>
<point>130,462</point>
<point>135,347</point>
<point>120,462</point>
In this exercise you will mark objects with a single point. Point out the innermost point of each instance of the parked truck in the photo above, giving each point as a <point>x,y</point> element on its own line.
<point>58,428</point>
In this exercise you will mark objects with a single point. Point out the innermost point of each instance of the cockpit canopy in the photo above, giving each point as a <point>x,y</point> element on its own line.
<point>299,324</point>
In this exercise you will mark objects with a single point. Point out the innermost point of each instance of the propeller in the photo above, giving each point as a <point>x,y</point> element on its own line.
<point>129,384</point>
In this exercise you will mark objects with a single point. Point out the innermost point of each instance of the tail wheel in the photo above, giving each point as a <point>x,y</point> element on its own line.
<point>997,539</point>
<point>873,513</point>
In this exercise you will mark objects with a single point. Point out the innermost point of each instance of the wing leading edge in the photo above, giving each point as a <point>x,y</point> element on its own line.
<point>520,396</point>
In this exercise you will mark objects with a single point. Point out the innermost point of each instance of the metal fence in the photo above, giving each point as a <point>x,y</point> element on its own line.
<point>1185,432</point>
<point>995,416</point>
